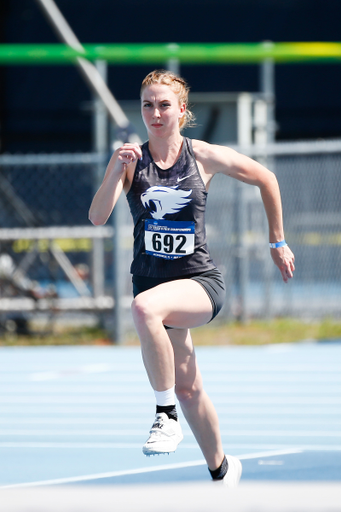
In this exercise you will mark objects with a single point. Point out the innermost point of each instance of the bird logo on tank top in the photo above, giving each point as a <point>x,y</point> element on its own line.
<point>161,201</point>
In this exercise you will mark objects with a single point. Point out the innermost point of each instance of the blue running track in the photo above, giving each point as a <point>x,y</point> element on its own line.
<point>80,415</point>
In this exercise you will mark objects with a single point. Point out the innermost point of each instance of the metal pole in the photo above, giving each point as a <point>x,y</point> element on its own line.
<point>173,65</point>
<point>118,257</point>
<point>267,87</point>
<point>100,88</point>
<point>100,146</point>
<point>92,75</point>
<point>244,119</point>
<point>118,272</point>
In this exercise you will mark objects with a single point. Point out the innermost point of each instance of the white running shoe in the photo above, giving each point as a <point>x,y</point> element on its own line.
<point>234,472</point>
<point>165,435</point>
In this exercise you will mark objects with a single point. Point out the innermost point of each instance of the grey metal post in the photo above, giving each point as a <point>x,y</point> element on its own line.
<point>117,115</point>
<point>119,268</point>
<point>100,146</point>
<point>244,116</point>
<point>118,272</point>
<point>267,87</point>
<point>242,253</point>
<point>173,65</point>
<point>90,72</point>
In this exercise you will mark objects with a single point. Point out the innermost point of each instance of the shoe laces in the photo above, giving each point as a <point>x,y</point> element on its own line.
<point>158,424</point>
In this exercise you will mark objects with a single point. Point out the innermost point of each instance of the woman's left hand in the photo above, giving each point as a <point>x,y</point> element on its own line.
<point>284,259</point>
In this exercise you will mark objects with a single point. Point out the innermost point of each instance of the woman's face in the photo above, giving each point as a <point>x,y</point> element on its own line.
<point>161,110</point>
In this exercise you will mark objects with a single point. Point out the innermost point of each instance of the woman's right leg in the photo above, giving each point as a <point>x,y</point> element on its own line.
<point>180,304</point>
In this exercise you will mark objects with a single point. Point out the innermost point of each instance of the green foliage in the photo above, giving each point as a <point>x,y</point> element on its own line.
<point>261,332</point>
<point>80,336</point>
<point>255,332</point>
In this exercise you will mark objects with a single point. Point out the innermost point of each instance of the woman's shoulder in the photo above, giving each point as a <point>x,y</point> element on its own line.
<point>206,152</point>
<point>199,145</point>
<point>213,158</point>
<point>201,149</point>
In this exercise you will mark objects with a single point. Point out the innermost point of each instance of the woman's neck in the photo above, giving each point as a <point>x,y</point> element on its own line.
<point>165,152</point>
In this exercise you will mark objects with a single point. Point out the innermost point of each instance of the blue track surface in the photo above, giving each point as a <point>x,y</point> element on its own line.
<point>81,414</point>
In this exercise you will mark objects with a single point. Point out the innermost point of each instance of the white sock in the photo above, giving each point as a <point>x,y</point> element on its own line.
<point>166,397</point>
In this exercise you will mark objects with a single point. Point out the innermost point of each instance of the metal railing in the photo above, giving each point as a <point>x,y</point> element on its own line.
<point>185,53</point>
<point>44,231</point>
<point>309,174</point>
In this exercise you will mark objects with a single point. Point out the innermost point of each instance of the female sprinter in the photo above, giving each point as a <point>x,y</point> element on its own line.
<point>175,282</point>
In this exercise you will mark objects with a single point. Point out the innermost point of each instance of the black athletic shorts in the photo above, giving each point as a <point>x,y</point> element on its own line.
<point>212,281</point>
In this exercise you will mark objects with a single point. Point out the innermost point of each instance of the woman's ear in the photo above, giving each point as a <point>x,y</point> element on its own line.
<point>182,110</point>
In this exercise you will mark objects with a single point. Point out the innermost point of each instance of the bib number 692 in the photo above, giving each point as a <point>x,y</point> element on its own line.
<point>169,239</point>
<point>169,243</point>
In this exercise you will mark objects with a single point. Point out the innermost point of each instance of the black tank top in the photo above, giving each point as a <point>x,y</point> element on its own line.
<point>168,210</point>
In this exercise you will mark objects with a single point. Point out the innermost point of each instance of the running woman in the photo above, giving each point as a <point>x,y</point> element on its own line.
<point>176,284</point>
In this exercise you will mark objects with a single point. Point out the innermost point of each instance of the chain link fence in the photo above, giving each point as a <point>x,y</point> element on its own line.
<point>52,261</point>
<point>55,191</point>
<point>309,176</point>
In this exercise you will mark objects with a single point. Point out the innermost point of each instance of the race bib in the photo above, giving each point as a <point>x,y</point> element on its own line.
<point>169,239</point>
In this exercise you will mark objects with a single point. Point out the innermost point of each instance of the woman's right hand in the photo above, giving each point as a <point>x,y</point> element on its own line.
<point>116,176</point>
<point>127,154</point>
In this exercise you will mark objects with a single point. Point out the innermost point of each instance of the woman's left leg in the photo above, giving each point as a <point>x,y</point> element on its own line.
<point>200,412</point>
<point>195,403</point>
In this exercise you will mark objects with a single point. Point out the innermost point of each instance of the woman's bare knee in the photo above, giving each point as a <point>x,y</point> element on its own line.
<point>146,316</point>
<point>187,395</point>
<point>142,310</point>
<point>137,308</point>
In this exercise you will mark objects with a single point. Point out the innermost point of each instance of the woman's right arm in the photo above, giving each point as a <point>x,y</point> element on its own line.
<point>114,181</point>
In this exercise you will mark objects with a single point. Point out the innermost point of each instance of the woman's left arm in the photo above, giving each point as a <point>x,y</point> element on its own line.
<point>282,256</point>
<point>220,159</point>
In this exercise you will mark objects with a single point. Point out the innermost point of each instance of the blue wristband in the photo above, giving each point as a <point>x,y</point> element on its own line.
<point>278,244</point>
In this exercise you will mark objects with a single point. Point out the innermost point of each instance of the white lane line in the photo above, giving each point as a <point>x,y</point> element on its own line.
<point>144,470</point>
<point>62,433</point>
<point>72,370</point>
<point>86,391</point>
<point>141,420</point>
<point>72,445</point>
<point>132,433</point>
<point>114,377</point>
<point>281,447</point>
<point>244,400</point>
<point>106,475</point>
<point>144,387</point>
<point>67,399</point>
<point>314,363</point>
<point>280,433</point>
<point>250,375</point>
<point>274,453</point>
<point>78,421</point>
<point>248,446</point>
<point>273,379</point>
<point>96,445</point>
<point>68,372</point>
<point>208,368</point>
<point>245,412</point>
<point>270,369</point>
